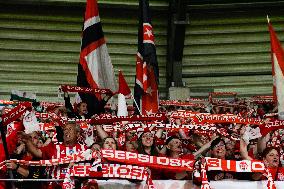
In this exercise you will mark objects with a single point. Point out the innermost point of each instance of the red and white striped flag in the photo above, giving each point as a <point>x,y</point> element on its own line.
<point>94,57</point>
<point>95,69</point>
<point>277,59</point>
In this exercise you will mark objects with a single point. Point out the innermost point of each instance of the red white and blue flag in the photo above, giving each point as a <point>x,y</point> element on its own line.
<point>277,59</point>
<point>95,69</point>
<point>147,71</point>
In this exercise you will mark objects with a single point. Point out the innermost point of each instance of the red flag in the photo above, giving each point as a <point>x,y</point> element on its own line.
<point>277,59</point>
<point>123,86</point>
<point>147,71</point>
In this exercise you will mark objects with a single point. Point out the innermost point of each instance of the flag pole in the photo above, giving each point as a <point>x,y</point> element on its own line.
<point>4,142</point>
<point>136,104</point>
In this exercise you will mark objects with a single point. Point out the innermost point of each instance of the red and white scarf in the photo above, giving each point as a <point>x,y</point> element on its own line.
<point>16,112</point>
<point>107,118</point>
<point>69,88</point>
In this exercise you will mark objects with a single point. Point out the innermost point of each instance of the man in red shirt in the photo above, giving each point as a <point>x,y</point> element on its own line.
<point>71,133</point>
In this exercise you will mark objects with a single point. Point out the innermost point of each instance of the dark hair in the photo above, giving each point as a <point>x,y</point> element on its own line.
<point>171,138</point>
<point>141,149</point>
<point>267,150</point>
<point>80,103</point>
<point>216,141</point>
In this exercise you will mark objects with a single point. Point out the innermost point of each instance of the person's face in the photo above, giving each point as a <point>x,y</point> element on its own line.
<point>130,147</point>
<point>175,145</point>
<point>130,135</point>
<point>82,109</point>
<point>35,139</point>
<point>69,133</point>
<point>219,151</point>
<point>230,145</point>
<point>204,139</point>
<point>109,144</point>
<point>272,159</point>
<point>147,139</point>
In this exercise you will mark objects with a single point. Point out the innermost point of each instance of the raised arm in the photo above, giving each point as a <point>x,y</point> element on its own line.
<point>204,148</point>
<point>261,143</point>
<point>243,150</point>
<point>29,145</point>
<point>244,141</point>
<point>101,132</point>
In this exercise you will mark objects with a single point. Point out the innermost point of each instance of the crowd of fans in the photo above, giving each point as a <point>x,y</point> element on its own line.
<point>184,143</point>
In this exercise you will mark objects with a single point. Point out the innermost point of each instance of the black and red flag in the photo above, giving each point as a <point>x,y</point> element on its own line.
<point>95,69</point>
<point>147,71</point>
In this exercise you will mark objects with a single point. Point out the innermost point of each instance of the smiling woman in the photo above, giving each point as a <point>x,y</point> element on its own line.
<point>109,143</point>
<point>146,144</point>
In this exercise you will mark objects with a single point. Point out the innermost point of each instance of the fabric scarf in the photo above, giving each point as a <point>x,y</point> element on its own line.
<point>234,166</point>
<point>106,119</point>
<point>51,104</point>
<point>15,113</point>
<point>176,164</point>
<point>69,88</point>
<point>177,103</point>
<point>204,180</point>
<point>270,181</point>
<point>270,125</point>
<point>108,171</point>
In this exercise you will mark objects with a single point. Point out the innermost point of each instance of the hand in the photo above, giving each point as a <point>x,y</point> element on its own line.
<point>11,165</point>
<point>20,148</point>
<point>106,97</point>
<point>24,137</point>
<point>243,130</point>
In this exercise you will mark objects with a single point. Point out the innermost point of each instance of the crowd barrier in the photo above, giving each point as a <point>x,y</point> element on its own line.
<point>176,184</point>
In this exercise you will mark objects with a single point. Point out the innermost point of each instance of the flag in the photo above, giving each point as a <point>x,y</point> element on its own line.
<point>123,92</point>
<point>95,69</point>
<point>23,96</point>
<point>277,59</point>
<point>147,71</point>
<point>123,86</point>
